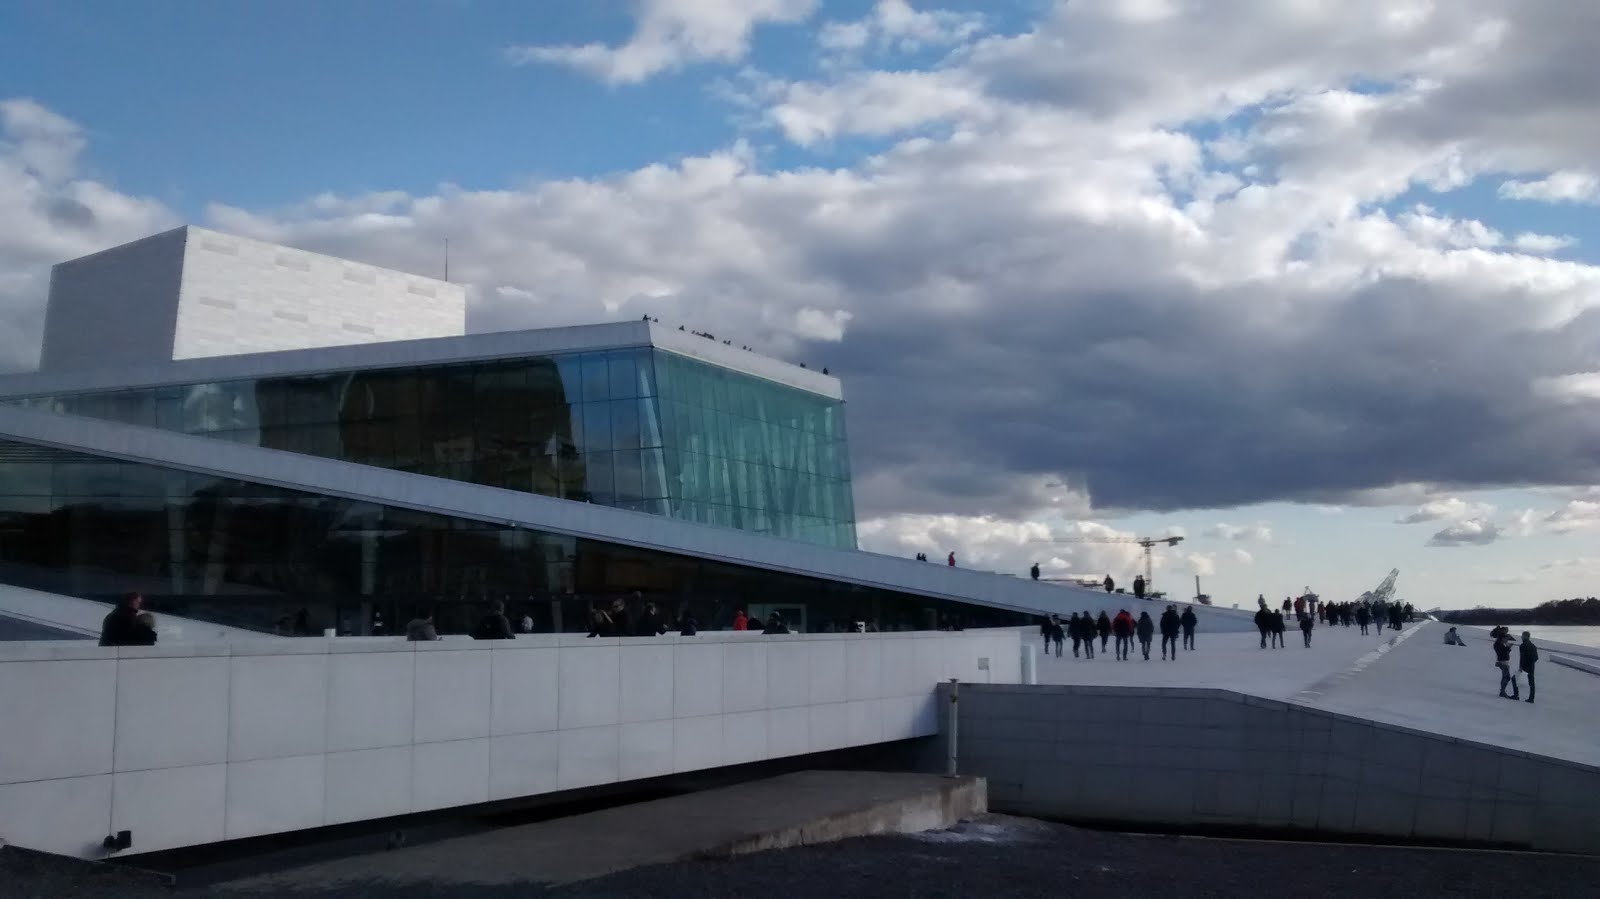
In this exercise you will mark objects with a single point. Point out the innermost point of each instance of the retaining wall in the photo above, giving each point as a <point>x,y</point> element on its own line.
<point>186,744</point>
<point>1197,758</point>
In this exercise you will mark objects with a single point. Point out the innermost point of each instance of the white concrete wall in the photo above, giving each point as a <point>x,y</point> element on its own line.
<point>1197,758</point>
<point>247,296</point>
<point>191,293</point>
<point>115,308</point>
<point>192,744</point>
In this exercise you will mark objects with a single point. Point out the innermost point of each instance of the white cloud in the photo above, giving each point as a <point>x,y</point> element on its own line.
<point>1578,387</point>
<point>1243,557</point>
<point>1200,564</point>
<point>671,34</point>
<point>1574,515</point>
<point>1557,187</point>
<point>1260,532</point>
<point>50,211</point>
<point>1529,242</point>
<point>1472,532</point>
<point>896,25</point>
<point>1446,509</point>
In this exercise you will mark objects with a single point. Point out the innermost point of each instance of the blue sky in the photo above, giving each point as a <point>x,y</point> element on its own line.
<point>945,201</point>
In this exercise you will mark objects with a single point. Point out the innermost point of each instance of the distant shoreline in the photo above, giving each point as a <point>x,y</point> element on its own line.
<point>1491,617</point>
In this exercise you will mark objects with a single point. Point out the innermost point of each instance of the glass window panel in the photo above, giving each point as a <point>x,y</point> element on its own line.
<point>653,473</point>
<point>596,377</point>
<point>644,366</point>
<point>624,374</point>
<point>26,478</point>
<point>629,475</point>
<point>649,422</point>
<point>625,424</point>
<point>599,479</point>
<point>597,426</point>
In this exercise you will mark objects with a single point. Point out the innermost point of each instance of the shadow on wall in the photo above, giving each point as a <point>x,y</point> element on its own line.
<point>1211,759</point>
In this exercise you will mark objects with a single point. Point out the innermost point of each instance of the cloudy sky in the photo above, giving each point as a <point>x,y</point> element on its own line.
<point>1312,283</point>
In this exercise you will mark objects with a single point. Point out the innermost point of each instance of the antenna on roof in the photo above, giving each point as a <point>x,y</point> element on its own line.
<point>447,259</point>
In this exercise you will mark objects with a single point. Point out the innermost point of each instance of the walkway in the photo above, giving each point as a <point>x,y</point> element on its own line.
<point>1228,661</point>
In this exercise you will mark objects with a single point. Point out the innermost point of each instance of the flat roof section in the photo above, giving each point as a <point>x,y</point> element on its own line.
<point>430,351</point>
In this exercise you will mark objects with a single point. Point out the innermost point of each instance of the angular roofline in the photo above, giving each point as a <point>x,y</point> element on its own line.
<point>425,351</point>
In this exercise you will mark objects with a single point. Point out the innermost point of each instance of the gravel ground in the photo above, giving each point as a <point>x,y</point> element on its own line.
<point>1000,856</point>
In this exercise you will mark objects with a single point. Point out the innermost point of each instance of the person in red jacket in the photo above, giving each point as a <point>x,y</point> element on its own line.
<point>740,621</point>
<point>1122,627</point>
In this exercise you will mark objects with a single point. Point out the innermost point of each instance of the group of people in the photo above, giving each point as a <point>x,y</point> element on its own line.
<point>1527,658</point>
<point>1367,615</point>
<point>1084,629</point>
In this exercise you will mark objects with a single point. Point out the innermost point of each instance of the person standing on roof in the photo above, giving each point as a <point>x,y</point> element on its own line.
<point>1169,632</point>
<point>1102,625</point>
<point>1122,627</point>
<point>1188,620</point>
<point>1075,631</point>
<point>1138,586</point>
<point>1527,657</point>
<point>1034,571</point>
<point>1306,623</point>
<point>1146,629</point>
<point>1110,584</point>
<point>1502,660</point>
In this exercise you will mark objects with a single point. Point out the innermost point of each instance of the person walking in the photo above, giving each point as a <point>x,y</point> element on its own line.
<point>1362,617</point>
<point>1278,629</point>
<point>1527,657</point>
<point>1146,629</point>
<point>1305,628</point>
<point>1122,627</point>
<point>1110,584</point>
<point>951,561</point>
<point>1138,586</point>
<point>1075,631</point>
<point>1188,620</point>
<point>1102,626</point>
<point>1086,627</point>
<point>1502,660</point>
<point>1034,571</point>
<point>1169,632</point>
<point>1263,624</point>
<point>1056,635</point>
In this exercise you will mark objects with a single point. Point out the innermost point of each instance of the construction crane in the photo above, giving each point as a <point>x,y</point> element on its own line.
<point>1148,543</point>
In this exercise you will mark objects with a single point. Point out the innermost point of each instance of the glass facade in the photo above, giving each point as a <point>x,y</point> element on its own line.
<point>639,429</point>
<point>255,556</point>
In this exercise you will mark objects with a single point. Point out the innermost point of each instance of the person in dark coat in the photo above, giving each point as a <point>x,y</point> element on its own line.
<point>1102,626</point>
<point>1146,629</point>
<point>122,627</point>
<point>1110,584</point>
<point>1278,629</point>
<point>775,625</point>
<point>1363,615</point>
<point>1034,571</point>
<point>1086,631</point>
<point>1305,628</point>
<point>1527,657</point>
<point>1138,586</point>
<point>1188,620</point>
<point>1502,660</point>
<point>1263,624</point>
<point>1169,632</point>
<point>649,624</point>
<point>493,626</point>
<point>1075,632</point>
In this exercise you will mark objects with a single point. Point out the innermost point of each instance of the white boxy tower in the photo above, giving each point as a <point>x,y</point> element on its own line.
<point>191,292</point>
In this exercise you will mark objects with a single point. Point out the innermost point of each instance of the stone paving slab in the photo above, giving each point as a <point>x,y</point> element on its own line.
<point>796,809</point>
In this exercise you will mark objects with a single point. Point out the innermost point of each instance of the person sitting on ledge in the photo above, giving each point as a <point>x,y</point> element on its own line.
<point>1451,638</point>
<point>123,627</point>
